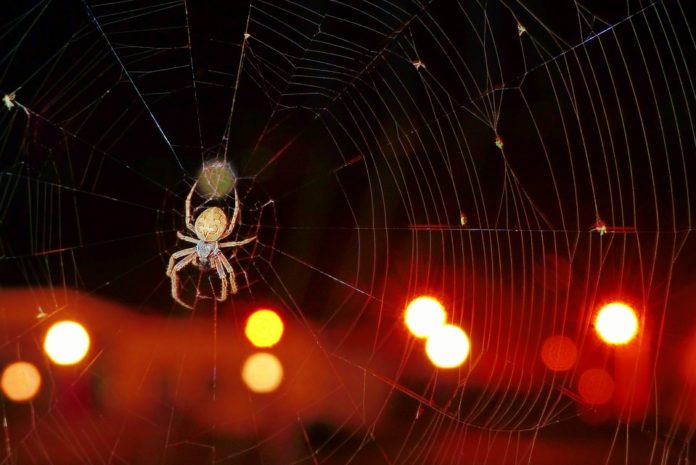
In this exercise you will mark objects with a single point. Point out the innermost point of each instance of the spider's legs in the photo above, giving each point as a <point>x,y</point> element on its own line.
<point>189,223</point>
<point>176,255</point>
<point>235,215</point>
<point>236,243</point>
<point>221,274</point>
<point>186,238</point>
<point>175,279</point>
<point>230,272</point>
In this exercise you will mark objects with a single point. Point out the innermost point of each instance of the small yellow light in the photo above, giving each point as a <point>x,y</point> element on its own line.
<point>264,328</point>
<point>20,381</point>
<point>424,315</point>
<point>262,372</point>
<point>448,346</point>
<point>66,343</point>
<point>616,323</point>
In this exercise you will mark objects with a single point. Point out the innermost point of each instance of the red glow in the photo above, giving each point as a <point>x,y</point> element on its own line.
<point>633,373</point>
<point>554,272</point>
<point>596,386</point>
<point>559,353</point>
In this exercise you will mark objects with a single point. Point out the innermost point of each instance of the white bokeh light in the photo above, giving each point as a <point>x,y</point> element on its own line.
<point>616,323</point>
<point>448,346</point>
<point>66,343</point>
<point>424,315</point>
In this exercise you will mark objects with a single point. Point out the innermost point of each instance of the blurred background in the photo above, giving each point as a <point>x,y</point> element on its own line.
<point>472,222</point>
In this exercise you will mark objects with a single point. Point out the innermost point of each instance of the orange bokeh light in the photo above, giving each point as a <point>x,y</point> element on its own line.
<point>264,328</point>
<point>262,372</point>
<point>616,323</point>
<point>596,386</point>
<point>424,315</point>
<point>559,353</point>
<point>20,381</point>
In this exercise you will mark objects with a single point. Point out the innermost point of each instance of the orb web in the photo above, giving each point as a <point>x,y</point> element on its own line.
<point>525,163</point>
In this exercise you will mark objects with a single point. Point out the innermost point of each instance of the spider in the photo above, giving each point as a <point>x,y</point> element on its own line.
<point>210,228</point>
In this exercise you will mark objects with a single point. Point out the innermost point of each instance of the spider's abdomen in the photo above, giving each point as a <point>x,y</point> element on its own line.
<point>210,224</point>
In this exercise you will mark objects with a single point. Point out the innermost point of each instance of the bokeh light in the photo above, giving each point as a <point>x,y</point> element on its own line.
<point>424,315</point>
<point>616,323</point>
<point>66,343</point>
<point>596,386</point>
<point>20,381</point>
<point>262,372</point>
<point>447,347</point>
<point>559,353</point>
<point>216,179</point>
<point>264,328</point>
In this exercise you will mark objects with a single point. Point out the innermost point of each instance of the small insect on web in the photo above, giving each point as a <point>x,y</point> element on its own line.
<point>211,226</point>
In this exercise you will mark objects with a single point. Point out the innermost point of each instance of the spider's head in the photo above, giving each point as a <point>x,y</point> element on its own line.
<point>211,224</point>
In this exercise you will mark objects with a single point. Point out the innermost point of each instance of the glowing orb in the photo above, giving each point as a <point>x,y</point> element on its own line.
<point>217,179</point>
<point>20,381</point>
<point>616,323</point>
<point>66,343</point>
<point>264,328</point>
<point>447,347</point>
<point>596,386</point>
<point>559,353</point>
<point>424,315</point>
<point>262,372</point>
